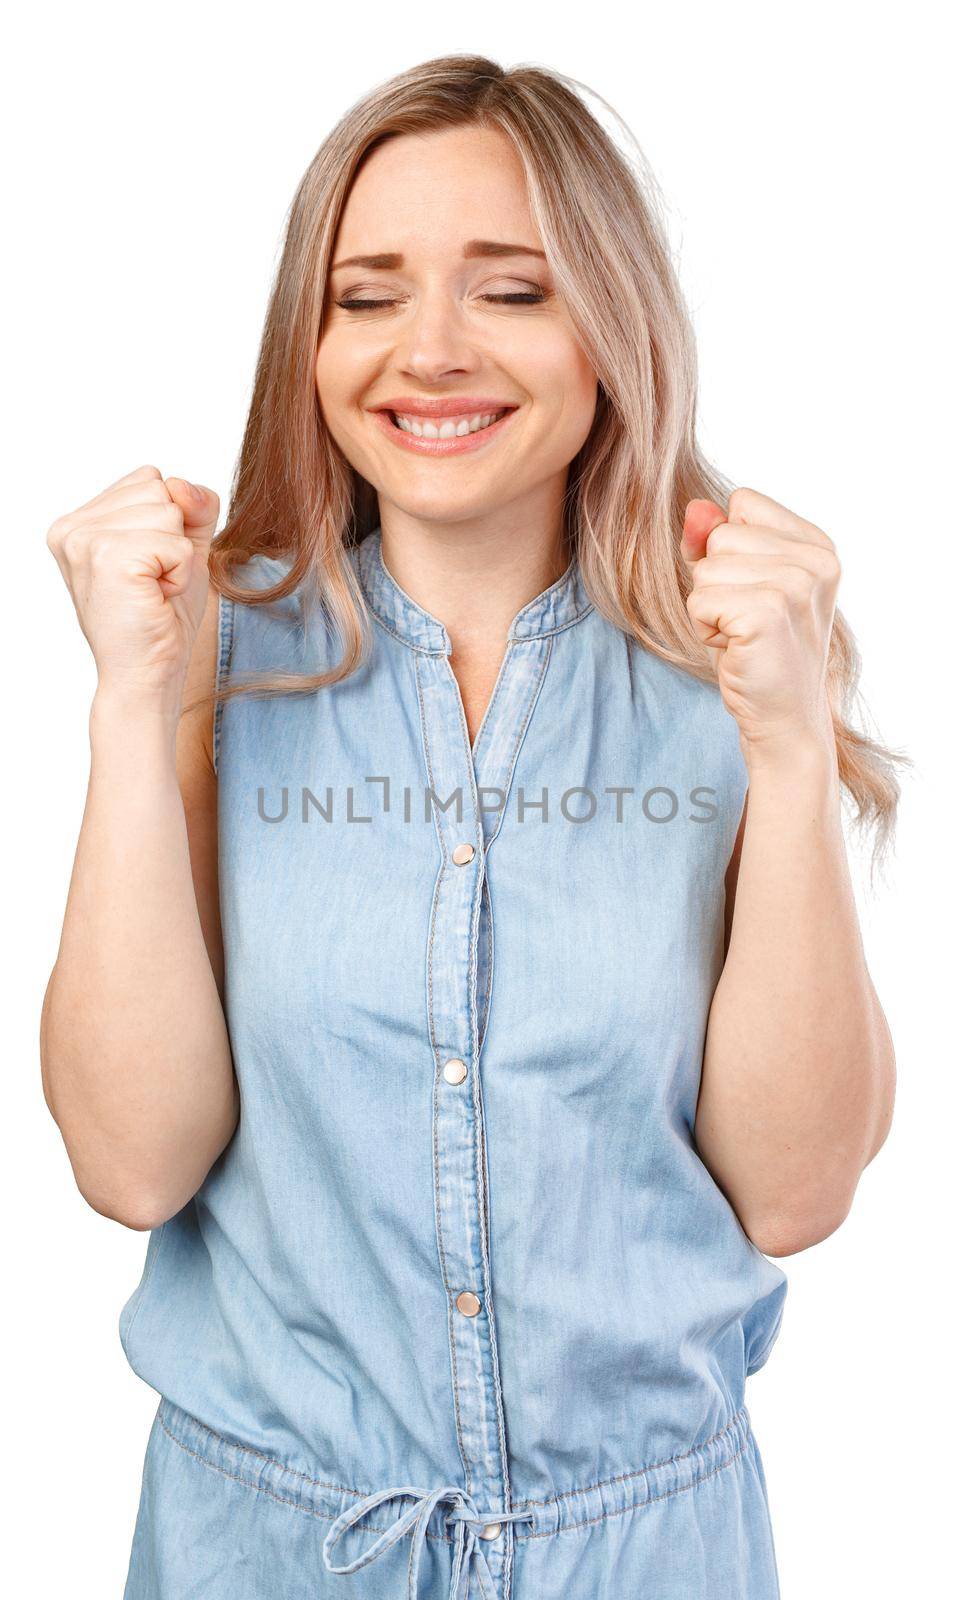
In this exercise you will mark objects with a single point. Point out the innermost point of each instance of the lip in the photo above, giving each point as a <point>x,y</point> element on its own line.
<point>455,405</point>
<point>442,447</point>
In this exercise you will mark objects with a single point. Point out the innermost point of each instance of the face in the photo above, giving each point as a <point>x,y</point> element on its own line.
<point>451,319</point>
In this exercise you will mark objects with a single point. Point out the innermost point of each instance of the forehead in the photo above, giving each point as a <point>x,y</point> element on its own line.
<point>421,193</point>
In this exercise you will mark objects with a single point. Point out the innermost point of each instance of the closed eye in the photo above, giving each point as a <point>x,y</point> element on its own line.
<point>523,298</point>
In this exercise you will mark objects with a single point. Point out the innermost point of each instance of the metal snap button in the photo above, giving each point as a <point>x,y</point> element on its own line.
<point>468,1303</point>
<point>491,1531</point>
<point>463,854</point>
<point>455,1070</point>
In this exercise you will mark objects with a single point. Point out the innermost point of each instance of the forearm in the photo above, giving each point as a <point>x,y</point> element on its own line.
<point>135,1056</point>
<point>798,1072</point>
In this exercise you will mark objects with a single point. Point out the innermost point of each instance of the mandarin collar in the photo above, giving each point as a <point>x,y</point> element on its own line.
<point>562,603</point>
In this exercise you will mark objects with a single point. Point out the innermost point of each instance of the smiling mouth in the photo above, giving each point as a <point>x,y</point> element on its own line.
<point>447,427</point>
<point>444,436</point>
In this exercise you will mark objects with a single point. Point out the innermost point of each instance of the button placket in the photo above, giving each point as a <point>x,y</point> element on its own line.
<point>459,976</point>
<point>455,985</point>
<point>454,988</point>
<point>457,1113</point>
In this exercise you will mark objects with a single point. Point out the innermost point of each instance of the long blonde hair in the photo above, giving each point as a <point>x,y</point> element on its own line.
<point>598,212</point>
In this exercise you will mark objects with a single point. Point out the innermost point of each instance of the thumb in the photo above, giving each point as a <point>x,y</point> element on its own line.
<point>701,517</point>
<point>200,515</point>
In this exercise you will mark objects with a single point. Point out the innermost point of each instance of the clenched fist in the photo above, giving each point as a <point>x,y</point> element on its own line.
<point>135,559</point>
<point>763,602</point>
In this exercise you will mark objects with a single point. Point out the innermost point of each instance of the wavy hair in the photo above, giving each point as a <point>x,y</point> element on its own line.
<point>598,211</point>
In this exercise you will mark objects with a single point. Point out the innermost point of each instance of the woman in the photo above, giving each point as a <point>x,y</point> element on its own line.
<point>527,740</point>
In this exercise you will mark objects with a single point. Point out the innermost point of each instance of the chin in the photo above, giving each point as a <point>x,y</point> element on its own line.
<point>440,507</point>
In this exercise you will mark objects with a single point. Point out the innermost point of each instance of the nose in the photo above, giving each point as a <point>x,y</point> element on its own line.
<point>435,340</point>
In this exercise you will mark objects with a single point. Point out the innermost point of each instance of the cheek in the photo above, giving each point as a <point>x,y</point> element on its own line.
<point>343,365</point>
<point>579,375</point>
<point>325,379</point>
<point>565,387</point>
<point>337,383</point>
<point>331,364</point>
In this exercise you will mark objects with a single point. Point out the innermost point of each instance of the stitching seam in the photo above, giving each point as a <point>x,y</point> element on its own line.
<point>260,1488</point>
<point>635,1505</point>
<point>443,1538</point>
<point>650,1466</point>
<point>226,627</point>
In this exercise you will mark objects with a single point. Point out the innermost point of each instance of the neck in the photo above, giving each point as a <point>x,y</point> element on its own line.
<point>475,575</point>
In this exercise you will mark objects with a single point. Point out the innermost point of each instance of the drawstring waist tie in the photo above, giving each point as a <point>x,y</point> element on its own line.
<point>467,1551</point>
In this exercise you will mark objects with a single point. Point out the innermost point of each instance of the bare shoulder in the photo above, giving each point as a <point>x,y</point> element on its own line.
<point>197,779</point>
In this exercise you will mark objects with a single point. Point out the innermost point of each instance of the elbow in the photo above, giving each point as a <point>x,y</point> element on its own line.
<point>45,1079</point>
<point>788,1235</point>
<point>882,1125</point>
<point>117,1199</point>
<point>139,1213</point>
<point>132,1206</point>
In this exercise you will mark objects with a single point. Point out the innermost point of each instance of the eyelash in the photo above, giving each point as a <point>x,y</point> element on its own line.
<point>500,299</point>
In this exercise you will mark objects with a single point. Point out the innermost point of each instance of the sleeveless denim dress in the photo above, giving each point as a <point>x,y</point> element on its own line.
<point>459,1313</point>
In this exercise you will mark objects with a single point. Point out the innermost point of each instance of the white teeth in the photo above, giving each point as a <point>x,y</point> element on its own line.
<point>423,428</point>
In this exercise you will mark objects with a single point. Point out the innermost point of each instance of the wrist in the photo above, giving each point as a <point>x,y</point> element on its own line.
<point>119,711</point>
<point>798,752</point>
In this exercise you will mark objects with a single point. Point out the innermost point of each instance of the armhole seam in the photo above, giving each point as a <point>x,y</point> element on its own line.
<point>226,619</point>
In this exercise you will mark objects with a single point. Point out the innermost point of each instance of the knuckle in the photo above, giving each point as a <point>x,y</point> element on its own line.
<point>100,550</point>
<point>72,542</point>
<point>170,519</point>
<point>831,564</point>
<point>740,500</point>
<point>156,491</point>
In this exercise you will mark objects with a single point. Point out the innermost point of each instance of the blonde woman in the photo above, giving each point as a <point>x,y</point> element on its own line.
<point>460,975</point>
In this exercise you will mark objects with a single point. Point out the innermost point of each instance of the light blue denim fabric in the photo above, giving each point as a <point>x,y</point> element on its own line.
<point>460,1311</point>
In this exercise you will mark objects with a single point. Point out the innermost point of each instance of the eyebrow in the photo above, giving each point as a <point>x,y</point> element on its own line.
<point>392,261</point>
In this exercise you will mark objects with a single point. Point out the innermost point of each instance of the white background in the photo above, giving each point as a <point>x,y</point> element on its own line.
<point>808,158</point>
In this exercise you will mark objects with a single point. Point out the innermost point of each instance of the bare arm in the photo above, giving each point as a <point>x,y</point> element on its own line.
<point>798,1076</point>
<point>135,1057</point>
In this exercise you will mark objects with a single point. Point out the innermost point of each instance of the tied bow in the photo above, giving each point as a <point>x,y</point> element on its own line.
<point>467,1551</point>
